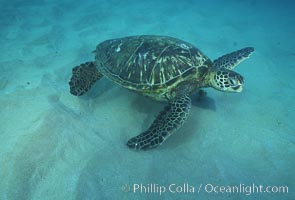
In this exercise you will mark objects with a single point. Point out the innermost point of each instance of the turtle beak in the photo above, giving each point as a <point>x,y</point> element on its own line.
<point>239,84</point>
<point>240,80</point>
<point>238,88</point>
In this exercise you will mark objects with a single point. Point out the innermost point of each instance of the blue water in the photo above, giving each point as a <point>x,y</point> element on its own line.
<point>57,146</point>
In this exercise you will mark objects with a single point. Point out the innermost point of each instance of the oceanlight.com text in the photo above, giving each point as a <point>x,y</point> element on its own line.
<point>204,188</point>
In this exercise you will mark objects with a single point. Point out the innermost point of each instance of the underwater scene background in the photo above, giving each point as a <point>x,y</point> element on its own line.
<point>54,145</point>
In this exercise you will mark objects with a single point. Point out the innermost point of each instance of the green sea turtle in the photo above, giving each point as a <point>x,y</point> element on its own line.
<point>162,68</point>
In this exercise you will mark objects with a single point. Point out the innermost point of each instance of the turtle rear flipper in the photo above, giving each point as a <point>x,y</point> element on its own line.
<point>231,60</point>
<point>167,122</point>
<point>84,76</point>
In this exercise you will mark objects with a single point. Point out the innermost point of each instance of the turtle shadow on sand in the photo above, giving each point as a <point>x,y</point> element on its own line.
<point>202,100</point>
<point>150,108</point>
<point>199,99</point>
<point>146,105</point>
<point>98,89</point>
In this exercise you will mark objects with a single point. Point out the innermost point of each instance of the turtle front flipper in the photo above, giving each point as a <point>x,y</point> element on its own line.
<point>84,76</point>
<point>231,60</point>
<point>167,122</point>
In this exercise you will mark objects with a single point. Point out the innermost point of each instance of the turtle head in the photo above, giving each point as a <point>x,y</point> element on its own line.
<point>226,80</point>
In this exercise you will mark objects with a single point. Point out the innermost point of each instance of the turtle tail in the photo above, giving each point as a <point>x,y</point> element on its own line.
<point>83,77</point>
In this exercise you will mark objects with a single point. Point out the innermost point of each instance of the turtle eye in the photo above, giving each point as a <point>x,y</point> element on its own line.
<point>231,81</point>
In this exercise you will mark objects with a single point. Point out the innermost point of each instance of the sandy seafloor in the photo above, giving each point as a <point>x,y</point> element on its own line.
<point>57,146</point>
